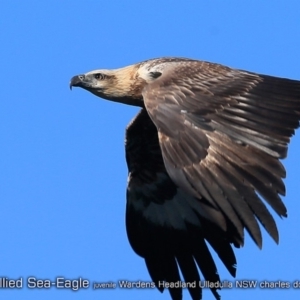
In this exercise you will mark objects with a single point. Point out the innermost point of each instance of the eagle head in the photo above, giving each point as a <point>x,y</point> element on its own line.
<point>120,85</point>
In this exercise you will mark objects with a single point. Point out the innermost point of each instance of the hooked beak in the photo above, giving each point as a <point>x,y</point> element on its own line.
<point>77,81</point>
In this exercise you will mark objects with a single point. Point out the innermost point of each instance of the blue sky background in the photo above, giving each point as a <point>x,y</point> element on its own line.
<point>63,171</point>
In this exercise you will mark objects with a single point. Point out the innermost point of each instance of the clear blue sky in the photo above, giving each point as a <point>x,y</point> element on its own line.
<point>63,171</point>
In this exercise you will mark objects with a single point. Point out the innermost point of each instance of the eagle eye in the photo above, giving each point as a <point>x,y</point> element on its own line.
<point>155,75</point>
<point>99,76</point>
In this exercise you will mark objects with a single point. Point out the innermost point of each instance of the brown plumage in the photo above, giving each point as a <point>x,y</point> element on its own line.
<point>203,158</point>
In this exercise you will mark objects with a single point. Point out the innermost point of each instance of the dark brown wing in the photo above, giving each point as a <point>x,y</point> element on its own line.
<point>167,226</point>
<point>222,133</point>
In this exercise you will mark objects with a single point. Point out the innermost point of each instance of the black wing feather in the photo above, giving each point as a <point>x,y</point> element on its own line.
<point>165,225</point>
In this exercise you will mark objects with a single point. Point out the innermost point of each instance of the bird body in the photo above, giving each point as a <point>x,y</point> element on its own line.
<point>203,156</point>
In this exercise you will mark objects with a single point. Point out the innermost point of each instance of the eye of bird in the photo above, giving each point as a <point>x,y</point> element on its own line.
<point>99,76</point>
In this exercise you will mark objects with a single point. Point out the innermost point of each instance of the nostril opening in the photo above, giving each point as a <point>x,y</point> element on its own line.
<point>81,77</point>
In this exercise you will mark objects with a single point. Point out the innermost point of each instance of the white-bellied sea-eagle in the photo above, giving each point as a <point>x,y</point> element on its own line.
<point>203,156</point>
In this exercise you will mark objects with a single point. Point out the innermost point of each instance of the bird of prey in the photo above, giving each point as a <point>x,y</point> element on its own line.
<point>203,157</point>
